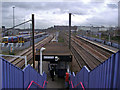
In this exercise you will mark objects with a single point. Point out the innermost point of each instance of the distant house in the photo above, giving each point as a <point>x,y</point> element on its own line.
<point>94,29</point>
<point>84,28</point>
<point>64,27</point>
<point>103,28</point>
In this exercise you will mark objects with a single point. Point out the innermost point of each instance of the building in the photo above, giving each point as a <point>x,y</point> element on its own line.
<point>84,28</point>
<point>65,27</point>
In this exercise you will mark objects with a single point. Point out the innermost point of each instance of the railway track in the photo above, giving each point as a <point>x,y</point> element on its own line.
<point>19,62</point>
<point>107,53</point>
<point>87,54</point>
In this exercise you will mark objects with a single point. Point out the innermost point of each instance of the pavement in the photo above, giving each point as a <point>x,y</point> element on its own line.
<point>57,83</point>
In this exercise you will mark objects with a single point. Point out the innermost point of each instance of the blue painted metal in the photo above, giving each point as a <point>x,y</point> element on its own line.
<point>116,71</point>
<point>106,75</point>
<point>14,77</point>
<point>11,78</point>
<point>1,79</point>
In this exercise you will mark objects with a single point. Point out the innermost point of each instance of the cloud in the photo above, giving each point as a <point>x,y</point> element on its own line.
<point>53,13</point>
<point>112,6</point>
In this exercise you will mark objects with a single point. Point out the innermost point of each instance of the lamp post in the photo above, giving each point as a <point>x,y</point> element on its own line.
<point>41,59</point>
<point>13,17</point>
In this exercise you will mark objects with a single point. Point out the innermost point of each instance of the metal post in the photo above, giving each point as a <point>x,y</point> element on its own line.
<point>13,18</point>
<point>41,59</point>
<point>25,61</point>
<point>33,40</point>
<point>109,37</point>
<point>69,30</point>
<point>40,62</point>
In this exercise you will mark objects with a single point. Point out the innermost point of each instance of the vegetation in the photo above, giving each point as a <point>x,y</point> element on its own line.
<point>60,39</point>
<point>105,37</point>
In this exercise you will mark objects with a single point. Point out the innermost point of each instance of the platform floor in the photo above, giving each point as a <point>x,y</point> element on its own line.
<point>57,83</point>
<point>109,47</point>
<point>56,48</point>
<point>102,45</point>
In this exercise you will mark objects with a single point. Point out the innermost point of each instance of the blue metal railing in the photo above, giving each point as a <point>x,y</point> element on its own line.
<point>14,77</point>
<point>106,75</point>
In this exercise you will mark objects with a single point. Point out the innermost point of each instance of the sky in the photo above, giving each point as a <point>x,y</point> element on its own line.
<point>49,13</point>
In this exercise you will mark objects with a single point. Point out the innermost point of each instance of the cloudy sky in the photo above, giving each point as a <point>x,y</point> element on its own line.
<point>47,14</point>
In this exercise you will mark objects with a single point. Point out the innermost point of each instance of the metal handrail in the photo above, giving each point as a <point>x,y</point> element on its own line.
<point>77,85</point>
<point>36,84</point>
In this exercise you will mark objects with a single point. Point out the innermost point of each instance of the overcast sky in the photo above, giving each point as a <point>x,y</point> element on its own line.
<point>48,14</point>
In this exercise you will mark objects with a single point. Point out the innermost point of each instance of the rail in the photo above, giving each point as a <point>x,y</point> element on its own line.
<point>77,85</point>
<point>24,57</point>
<point>36,84</point>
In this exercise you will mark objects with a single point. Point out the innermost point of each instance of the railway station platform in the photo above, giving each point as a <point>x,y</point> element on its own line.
<point>112,49</point>
<point>61,49</point>
<point>56,48</point>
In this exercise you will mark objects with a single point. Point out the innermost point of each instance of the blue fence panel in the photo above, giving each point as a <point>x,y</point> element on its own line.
<point>112,65</point>
<point>94,76</point>
<point>100,76</point>
<point>86,76</point>
<point>91,79</point>
<point>11,75</point>
<point>40,80</point>
<point>97,76</point>
<point>108,71</point>
<point>75,81</point>
<point>118,78</point>
<point>80,77</point>
<point>70,86</point>
<point>116,81</point>
<point>44,79</point>
<point>106,75</point>
<point>32,75</point>
<point>14,77</point>
<point>26,76</point>
<point>70,81</point>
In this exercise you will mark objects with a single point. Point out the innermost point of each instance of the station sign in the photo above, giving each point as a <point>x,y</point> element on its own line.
<point>54,58</point>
